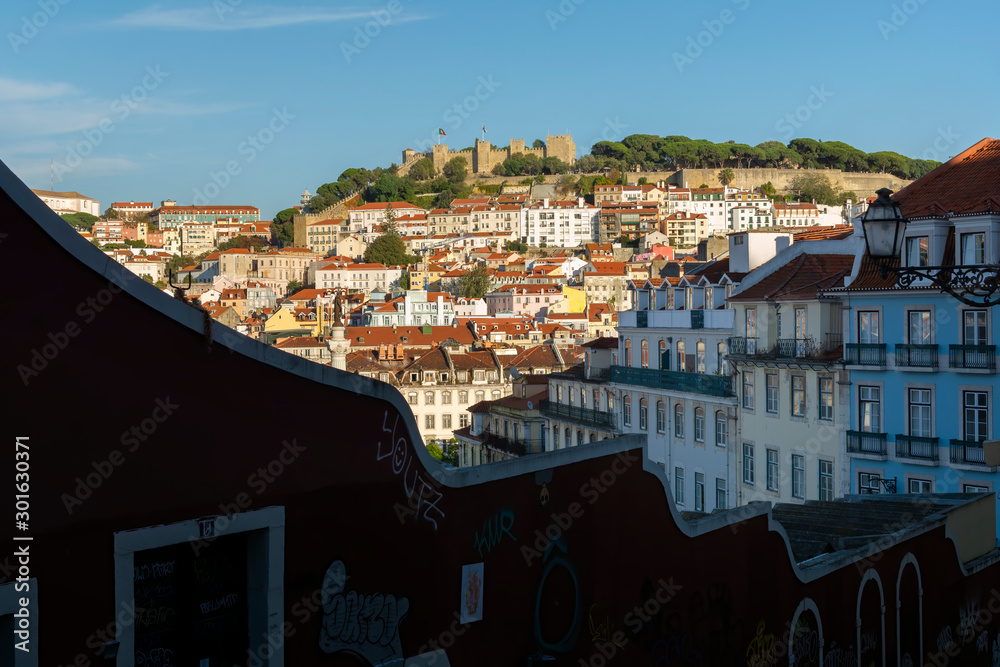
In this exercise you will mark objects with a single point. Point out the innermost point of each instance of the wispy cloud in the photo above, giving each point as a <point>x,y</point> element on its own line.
<point>210,18</point>
<point>29,91</point>
<point>37,171</point>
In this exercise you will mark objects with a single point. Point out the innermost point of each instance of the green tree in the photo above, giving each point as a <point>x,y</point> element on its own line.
<point>423,169</point>
<point>387,249</point>
<point>475,283</point>
<point>285,215</point>
<point>391,188</point>
<point>538,143</point>
<point>294,286</point>
<point>816,187</point>
<point>112,214</point>
<point>456,170</point>
<point>404,281</point>
<point>242,241</point>
<point>82,220</point>
<point>389,221</point>
<point>727,176</point>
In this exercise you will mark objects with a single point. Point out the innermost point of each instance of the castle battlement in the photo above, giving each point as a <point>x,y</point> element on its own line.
<point>483,157</point>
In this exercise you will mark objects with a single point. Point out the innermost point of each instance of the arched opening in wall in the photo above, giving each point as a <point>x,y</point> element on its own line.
<point>871,622</point>
<point>806,648</point>
<point>909,613</point>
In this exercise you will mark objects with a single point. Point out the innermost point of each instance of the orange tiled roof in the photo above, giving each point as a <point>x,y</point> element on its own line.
<point>968,183</point>
<point>801,278</point>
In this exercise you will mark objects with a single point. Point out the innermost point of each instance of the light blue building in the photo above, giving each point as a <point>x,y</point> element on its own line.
<point>923,370</point>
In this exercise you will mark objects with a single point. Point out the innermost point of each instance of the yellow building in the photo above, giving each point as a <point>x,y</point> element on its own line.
<point>575,299</point>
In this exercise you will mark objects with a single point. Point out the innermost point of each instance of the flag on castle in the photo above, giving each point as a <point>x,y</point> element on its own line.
<point>441,132</point>
<point>484,128</point>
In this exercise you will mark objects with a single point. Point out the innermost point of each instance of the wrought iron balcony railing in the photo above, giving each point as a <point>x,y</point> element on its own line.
<point>983,357</point>
<point>741,346</point>
<point>917,356</point>
<point>968,451</point>
<point>865,354</point>
<point>914,447</point>
<point>713,385</point>
<point>605,420</point>
<point>865,442</point>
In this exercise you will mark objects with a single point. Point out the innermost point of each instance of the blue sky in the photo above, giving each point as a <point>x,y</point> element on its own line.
<point>241,102</point>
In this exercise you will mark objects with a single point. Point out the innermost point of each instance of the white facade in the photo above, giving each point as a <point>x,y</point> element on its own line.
<point>69,202</point>
<point>356,277</point>
<point>414,309</point>
<point>561,224</point>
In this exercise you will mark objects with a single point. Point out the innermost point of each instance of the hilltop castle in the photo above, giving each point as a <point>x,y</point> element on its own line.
<point>483,157</point>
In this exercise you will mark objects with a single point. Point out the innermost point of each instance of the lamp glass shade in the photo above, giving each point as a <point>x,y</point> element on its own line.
<point>883,224</point>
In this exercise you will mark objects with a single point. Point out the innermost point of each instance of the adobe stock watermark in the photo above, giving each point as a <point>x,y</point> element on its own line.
<point>30,25</point>
<point>455,115</point>
<point>131,440</point>
<point>121,109</point>
<point>795,120</point>
<point>900,14</point>
<point>563,11</point>
<point>364,34</point>
<point>249,148</point>
<point>614,130</point>
<point>696,44</point>
<point>941,146</point>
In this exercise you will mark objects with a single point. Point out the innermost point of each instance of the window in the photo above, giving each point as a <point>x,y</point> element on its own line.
<point>826,398</point>
<point>869,482</point>
<point>772,469</point>
<point>611,401</point>
<point>771,393</point>
<point>643,413</point>
<point>919,486</point>
<point>798,396</point>
<point>664,356</point>
<point>919,327</point>
<point>644,353</point>
<point>495,394</point>
<point>628,352</point>
<point>661,417</point>
<point>749,469</point>
<point>721,429</point>
<point>678,421</point>
<point>627,410</point>
<point>680,356</point>
<point>429,421</point>
<point>463,397</point>
<point>699,357</point>
<point>463,420</point>
<point>559,393</point>
<point>699,492</point>
<point>748,390</point>
<point>974,331</point>
<point>975,409</point>
<point>446,421</point>
<point>869,409</point>
<point>798,476</point>
<point>480,396</point>
<point>446,398</point>
<point>411,398</point>
<point>699,424</point>
<point>920,413</point>
<point>720,493</point>
<point>974,488</point>
<point>825,480</point>
<point>974,248</point>
<point>869,330</point>
<point>720,358</point>
<point>679,486</point>
<point>428,398</point>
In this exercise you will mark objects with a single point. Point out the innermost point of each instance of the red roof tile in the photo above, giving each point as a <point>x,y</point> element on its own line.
<point>967,183</point>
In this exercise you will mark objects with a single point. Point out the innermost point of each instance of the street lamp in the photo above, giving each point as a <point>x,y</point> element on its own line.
<point>884,227</point>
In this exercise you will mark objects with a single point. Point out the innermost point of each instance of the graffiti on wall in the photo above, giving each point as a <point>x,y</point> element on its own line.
<point>365,625</point>
<point>493,530</point>
<point>558,605</point>
<point>421,490</point>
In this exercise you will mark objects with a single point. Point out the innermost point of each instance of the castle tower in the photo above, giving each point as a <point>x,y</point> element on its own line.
<point>481,157</point>
<point>440,157</point>
<point>561,146</point>
<point>516,146</point>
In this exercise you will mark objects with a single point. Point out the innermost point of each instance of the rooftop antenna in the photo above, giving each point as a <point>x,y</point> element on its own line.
<point>52,182</point>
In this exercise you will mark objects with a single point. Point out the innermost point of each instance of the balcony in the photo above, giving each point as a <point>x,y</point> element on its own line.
<point>578,372</point>
<point>865,354</point>
<point>968,451</point>
<point>676,319</point>
<point>713,385</point>
<point>912,447</point>
<point>980,357</point>
<point>741,346</point>
<point>865,442</point>
<point>917,356</point>
<point>794,348</point>
<point>517,447</point>
<point>586,416</point>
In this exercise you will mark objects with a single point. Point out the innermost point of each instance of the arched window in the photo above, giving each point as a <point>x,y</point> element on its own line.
<point>597,399</point>
<point>661,417</point>
<point>721,429</point>
<point>679,420</point>
<point>644,353</point>
<point>496,394</point>
<point>463,397</point>
<point>583,397</point>
<point>627,409</point>
<point>720,359</point>
<point>628,352</point>
<point>428,398</point>
<point>664,356</point>
<point>611,401</point>
<point>480,396</point>
<point>699,356</point>
<point>680,355</point>
<point>643,414</point>
<point>699,424</point>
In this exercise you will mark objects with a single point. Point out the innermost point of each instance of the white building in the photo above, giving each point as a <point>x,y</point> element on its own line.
<point>564,224</point>
<point>414,308</point>
<point>368,217</point>
<point>69,202</point>
<point>354,277</point>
